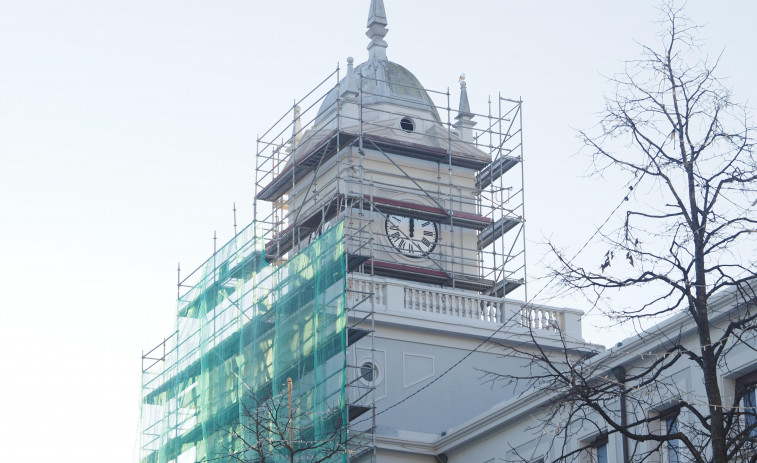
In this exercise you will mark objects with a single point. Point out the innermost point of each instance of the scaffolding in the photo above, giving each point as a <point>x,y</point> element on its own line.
<point>366,148</point>
<point>294,294</point>
<point>245,329</point>
<point>334,156</point>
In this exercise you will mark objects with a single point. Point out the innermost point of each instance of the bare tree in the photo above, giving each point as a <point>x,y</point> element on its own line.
<point>276,428</point>
<point>688,235</point>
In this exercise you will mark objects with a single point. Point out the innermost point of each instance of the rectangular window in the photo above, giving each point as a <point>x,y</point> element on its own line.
<point>595,450</point>
<point>746,387</point>
<point>750,411</point>
<point>602,452</point>
<point>673,446</point>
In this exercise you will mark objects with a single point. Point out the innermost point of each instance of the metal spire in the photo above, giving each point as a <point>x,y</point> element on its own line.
<point>377,30</point>
<point>464,108</point>
<point>464,119</point>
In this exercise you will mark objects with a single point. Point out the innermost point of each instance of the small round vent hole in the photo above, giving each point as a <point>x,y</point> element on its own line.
<point>368,371</point>
<point>407,124</point>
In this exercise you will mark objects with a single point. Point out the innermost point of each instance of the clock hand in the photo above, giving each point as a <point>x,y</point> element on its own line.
<point>398,241</point>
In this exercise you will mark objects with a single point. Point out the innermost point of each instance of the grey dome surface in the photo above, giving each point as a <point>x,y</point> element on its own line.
<point>384,82</point>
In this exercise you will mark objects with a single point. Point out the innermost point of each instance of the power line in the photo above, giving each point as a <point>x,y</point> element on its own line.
<point>502,325</point>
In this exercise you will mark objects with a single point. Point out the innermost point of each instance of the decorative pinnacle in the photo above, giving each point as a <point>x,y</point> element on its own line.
<point>377,30</point>
<point>464,117</point>
<point>464,108</point>
<point>350,82</point>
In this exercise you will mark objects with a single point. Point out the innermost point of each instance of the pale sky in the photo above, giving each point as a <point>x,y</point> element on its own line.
<point>128,128</point>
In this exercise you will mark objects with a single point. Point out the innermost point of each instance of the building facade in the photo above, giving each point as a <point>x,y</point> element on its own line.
<point>535,426</point>
<point>381,285</point>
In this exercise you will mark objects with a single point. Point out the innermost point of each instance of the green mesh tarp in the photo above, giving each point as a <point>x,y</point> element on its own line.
<point>242,331</point>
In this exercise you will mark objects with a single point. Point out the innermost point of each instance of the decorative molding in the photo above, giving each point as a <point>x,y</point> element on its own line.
<point>405,356</point>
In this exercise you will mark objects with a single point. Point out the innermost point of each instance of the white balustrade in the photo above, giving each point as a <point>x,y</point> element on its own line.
<point>541,318</point>
<point>444,304</point>
<point>454,304</point>
<point>360,290</point>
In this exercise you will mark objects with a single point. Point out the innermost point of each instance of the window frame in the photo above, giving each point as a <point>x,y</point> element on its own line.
<point>669,423</point>
<point>591,446</point>
<point>746,390</point>
<point>673,446</point>
<point>750,413</point>
<point>605,444</point>
<point>600,442</point>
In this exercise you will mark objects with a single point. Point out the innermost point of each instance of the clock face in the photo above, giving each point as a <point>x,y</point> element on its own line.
<point>412,237</point>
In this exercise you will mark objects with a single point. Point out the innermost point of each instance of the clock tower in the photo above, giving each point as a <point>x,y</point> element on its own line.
<point>430,192</point>
<point>391,219</point>
<point>430,197</point>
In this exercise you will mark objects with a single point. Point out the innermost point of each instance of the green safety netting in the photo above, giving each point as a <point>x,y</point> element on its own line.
<point>242,330</point>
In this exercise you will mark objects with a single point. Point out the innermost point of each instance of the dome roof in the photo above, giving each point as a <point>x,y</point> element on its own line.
<point>384,82</point>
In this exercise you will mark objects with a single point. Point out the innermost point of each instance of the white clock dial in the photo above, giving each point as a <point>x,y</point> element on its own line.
<point>412,237</point>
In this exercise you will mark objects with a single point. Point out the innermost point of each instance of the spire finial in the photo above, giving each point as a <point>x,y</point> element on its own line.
<point>464,117</point>
<point>464,108</point>
<point>377,30</point>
